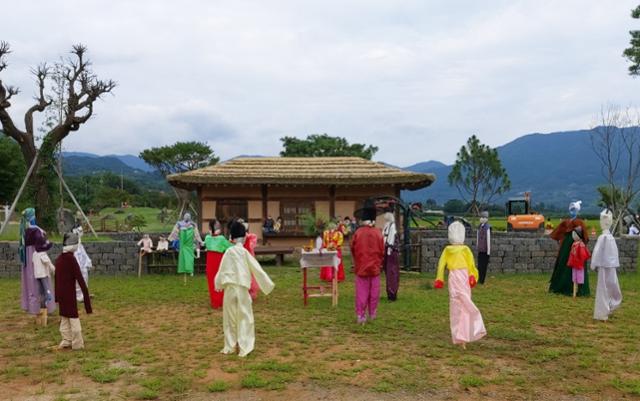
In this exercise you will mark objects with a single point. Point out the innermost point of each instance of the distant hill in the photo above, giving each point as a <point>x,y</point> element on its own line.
<point>129,160</point>
<point>557,168</point>
<point>426,167</point>
<point>79,164</point>
<point>135,162</point>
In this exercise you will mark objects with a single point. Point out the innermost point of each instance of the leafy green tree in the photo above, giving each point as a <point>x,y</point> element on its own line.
<point>478,174</point>
<point>12,171</point>
<point>632,53</point>
<point>324,146</point>
<point>82,90</point>
<point>609,198</point>
<point>455,206</point>
<point>136,221</point>
<point>179,157</point>
<point>431,204</point>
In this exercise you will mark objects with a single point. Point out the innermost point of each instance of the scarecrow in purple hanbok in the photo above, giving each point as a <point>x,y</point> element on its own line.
<point>37,296</point>
<point>391,256</point>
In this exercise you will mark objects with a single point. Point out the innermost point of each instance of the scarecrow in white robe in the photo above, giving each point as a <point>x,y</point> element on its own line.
<point>84,261</point>
<point>234,277</point>
<point>605,260</point>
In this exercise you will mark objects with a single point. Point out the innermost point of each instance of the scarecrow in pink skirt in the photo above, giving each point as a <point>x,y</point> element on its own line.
<point>465,318</point>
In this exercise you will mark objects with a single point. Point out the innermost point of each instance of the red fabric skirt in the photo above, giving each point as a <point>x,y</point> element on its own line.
<point>213,265</point>
<point>326,272</point>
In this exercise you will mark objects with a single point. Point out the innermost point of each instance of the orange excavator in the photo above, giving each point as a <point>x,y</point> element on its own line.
<point>520,216</point>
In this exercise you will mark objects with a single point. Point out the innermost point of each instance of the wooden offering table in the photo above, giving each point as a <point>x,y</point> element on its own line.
<point>319,258</point>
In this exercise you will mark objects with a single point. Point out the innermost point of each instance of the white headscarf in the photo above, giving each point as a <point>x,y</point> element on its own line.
<point>389,231</point>
<point>456,233</point>
<point>575,205</point>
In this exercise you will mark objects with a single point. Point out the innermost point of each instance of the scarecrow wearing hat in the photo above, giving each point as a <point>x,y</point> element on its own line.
<point>483,245</point>
<point>561,279</point>
<point>67,275</point>
<point>367,251</point>
<point>234,277</point>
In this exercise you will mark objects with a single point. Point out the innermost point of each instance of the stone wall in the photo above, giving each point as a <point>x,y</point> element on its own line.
<point>516,253</point>
<point>117,257</point>
<point>510,252</point>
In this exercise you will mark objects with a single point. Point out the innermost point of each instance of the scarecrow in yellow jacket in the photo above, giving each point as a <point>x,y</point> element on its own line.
<point>234,277</point>
<point>465,318</point>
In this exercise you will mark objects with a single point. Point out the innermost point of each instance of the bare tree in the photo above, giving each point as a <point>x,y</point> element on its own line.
<point>615,140</point>
<point>83,89</point>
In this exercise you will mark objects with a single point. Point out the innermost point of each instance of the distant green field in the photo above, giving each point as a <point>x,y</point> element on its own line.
<point>151,216</point>
<point>154,225</point>
<point>499,223</point>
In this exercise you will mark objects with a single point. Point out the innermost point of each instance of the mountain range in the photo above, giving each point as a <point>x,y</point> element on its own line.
<point>556,168</point>
<point>131,167</point>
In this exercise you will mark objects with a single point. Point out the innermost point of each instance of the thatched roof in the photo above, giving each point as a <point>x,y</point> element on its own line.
<point>301,171</point>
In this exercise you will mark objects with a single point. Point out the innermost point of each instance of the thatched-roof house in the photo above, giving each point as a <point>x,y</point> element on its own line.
<point>288,187</point>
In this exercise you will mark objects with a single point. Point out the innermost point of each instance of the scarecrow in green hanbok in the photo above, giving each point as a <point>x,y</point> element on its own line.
<point>186,231</point>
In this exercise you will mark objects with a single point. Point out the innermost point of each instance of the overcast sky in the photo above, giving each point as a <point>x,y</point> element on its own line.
<point>415,78</point>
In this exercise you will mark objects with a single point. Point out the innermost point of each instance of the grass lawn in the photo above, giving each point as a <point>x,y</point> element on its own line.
<point>154,338</point>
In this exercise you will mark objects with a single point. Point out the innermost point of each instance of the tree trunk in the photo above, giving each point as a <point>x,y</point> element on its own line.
<point>43,187</point>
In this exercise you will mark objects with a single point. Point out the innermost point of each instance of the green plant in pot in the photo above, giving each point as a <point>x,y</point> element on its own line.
<point>314,225</point>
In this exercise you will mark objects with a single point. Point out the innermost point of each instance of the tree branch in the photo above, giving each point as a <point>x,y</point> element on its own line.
<point>41,74</point>
<point>83,90</point>
<point>4,50</point>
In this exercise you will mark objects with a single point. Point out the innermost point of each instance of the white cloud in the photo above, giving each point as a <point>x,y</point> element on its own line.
<point>415,78</point>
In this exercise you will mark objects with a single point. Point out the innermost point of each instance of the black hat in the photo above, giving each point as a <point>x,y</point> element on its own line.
<point>238,230</point>
<point>368,211</point>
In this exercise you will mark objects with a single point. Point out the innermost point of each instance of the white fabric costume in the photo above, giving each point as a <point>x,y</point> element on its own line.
<point>605,260</point>
<point>163,245</point>
<point>42,265</point>
<point>234,277</point>
<point>84,261</point>
<point>389,231</point>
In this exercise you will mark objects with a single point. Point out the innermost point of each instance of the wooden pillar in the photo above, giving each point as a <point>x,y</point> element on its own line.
<point>332,202</point>
<point>201,228</point>
<point>398,215</point>
<point>265,208</point>
<point>265,194</point>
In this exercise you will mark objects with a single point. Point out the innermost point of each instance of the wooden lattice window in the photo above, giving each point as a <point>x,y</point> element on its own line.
<point>228,209</point>
<point>292,213</point>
